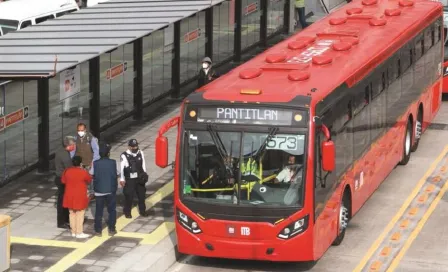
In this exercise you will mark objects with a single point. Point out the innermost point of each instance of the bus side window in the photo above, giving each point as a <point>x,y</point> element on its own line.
<point>43,19</point>
<point>343,139</point>
<point>25,24</point>
<point>378,108</point>
<point>361,122</point>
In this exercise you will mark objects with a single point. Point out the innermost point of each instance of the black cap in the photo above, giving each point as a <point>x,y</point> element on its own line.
<point>133,143</point>
<point>104,149</point>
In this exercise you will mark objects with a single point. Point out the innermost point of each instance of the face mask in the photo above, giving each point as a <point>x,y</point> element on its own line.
<point>205,65</point>
<point>81,133</point>
<point>134,150</point>
<point>70,148</point>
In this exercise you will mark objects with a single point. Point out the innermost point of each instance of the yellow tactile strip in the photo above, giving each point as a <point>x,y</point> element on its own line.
<point>82,249</point>
<point>387,251</point>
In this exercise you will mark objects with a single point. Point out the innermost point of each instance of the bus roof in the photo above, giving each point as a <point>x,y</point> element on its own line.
<point>347,44</point>
<point>23,9</point>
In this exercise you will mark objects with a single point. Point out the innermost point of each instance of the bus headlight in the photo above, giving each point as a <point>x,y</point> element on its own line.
<point>294,229</point>
<point>188,223</point>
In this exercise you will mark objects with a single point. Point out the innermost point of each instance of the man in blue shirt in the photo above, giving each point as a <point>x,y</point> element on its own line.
<point>105,185</point>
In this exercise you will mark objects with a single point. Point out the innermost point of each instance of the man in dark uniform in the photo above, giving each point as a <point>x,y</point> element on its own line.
<point>133,178</point>
<point>207,72</point>
<point>63,161</point>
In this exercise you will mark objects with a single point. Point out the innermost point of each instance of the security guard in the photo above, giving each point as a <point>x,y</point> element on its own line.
<point>133,178</point>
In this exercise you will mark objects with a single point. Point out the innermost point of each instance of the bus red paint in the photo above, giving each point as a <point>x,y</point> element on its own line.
<point>275,157</point>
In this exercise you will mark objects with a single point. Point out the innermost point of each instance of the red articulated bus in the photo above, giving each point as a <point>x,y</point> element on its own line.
<point>275,157</point>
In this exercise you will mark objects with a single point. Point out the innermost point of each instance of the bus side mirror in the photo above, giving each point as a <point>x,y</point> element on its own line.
<point>328,156</point>
<point>162,151</point>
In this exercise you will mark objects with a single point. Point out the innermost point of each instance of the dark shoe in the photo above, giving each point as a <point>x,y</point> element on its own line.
<point>64,226</point>
<point>144,214</point>
<point>98,234</point>
<point>112,232</point>
<point>128,216</point>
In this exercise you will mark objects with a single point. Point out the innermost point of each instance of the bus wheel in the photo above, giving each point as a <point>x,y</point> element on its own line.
<point>418,129</point>
<point>407,144</point>
<point>344,217</point>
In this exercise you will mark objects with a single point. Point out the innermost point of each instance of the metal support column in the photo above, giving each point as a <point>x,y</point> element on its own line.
<point>209,32</point>
<point>264,23</point>
<point>43,110</point>
<point>94,92</point>
<point>175,66</point>
<point>288,22</point>
<point>138,79</point>
<point>238,21</point>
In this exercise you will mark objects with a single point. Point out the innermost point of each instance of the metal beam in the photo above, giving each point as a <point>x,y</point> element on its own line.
<point>264,23</point>
<point>209,32</point>
<point>238,21</point>
<point>175,65</point>
<point>94,92</point>
<point>138,79</point>
<point>43,138</point>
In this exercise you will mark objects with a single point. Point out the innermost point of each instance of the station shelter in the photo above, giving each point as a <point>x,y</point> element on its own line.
<point>105,63</point>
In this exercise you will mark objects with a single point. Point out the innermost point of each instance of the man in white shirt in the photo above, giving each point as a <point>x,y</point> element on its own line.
<point>288,172</point>
<point>133,178</point>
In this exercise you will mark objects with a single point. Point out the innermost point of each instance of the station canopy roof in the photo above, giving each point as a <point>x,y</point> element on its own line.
<point>88,33</point>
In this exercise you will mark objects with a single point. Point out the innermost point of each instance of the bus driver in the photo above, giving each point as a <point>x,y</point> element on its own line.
<point>288,172</point>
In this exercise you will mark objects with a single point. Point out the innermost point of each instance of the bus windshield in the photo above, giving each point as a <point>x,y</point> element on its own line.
<point>243,168</point>
<point>8,26</point>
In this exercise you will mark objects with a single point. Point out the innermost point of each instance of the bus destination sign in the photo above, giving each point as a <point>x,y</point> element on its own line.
<point>255,116</point>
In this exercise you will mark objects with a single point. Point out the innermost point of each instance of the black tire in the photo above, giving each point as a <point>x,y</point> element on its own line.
<point>344,214</point>
<point>418,130</point>
<point>407,142</point>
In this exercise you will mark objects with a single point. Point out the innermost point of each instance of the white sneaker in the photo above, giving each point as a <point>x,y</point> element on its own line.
<point>73,235</point>
<point>82,236</point>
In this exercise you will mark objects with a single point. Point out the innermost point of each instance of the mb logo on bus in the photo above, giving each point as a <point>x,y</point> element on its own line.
<point>245,231</point>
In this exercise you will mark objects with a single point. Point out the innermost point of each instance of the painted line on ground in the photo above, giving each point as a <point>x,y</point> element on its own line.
<point>152,238</point>
<point>93,243</point>
<point>44,242</point>
<point>392,242</point>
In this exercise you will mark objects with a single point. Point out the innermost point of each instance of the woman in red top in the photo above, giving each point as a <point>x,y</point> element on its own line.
<point>75,197</point>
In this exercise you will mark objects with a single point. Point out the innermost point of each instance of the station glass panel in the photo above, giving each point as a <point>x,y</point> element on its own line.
<point>223,31</point>
<point>276,10</point>
<point>157,56</point>
<point>116,82</point>
<point>250,30</point>
<point>192,45</point>
<point>67,112</point>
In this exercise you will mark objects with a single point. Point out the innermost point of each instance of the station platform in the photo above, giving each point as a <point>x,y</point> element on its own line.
<point>38,245</point>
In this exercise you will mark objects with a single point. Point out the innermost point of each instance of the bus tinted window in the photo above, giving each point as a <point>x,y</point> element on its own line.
<point>8,25</point>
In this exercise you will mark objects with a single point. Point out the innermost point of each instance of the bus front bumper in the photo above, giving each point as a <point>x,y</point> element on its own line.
<point>299,248</point>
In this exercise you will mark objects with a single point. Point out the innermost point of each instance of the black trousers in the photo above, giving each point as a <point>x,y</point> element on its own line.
<point>130,187</point>
<point>62,213</point>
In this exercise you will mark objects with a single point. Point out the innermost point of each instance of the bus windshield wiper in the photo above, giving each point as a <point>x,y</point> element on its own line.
<point>217,141</point>
<point>272,132</point>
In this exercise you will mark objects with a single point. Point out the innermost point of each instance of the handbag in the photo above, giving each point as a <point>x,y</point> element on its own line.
<point>143,178</point>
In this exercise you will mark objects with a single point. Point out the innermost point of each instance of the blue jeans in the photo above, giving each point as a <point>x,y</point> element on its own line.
<point>111,201</point>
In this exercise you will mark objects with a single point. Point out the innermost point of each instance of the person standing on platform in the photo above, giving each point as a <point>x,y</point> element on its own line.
<point>207,73</point>
<point>76,200</point>
<point>105,186</point>
<point>133,178</point>
<point>300,11</point>
<point>63,161</point>
<point>87,148</point>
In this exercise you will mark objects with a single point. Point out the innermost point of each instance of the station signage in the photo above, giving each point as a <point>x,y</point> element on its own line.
<point>70,83</point>
<point>116,71</point>
<point>192,35</point>
<point>255,116</point>
<point>251,8</point>
<point>14,118</point>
